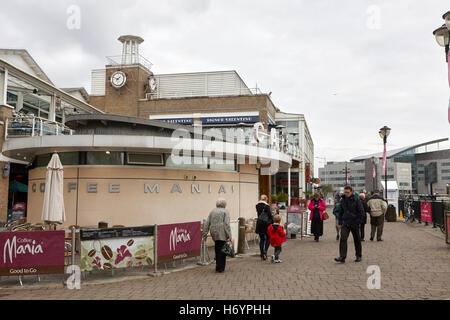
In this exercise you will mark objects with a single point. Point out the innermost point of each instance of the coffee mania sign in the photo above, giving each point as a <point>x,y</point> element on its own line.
<point>178,241</point>
<point>114,187</point>
<point>30,253</point>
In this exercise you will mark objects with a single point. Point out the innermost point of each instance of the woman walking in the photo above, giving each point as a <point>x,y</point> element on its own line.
<point>265,219</point>
<point>362,197</point>
<point>317,206</point>
<point>218,223</point>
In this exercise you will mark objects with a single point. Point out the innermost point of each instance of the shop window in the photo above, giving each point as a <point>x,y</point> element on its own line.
<point>224,165</point>
<point>145,158</point>
<point>104,158</point>
<point>187,163</point>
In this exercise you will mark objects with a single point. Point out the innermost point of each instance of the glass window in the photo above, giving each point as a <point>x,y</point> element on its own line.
<point>186,162</point>
<point>69,158</point>
<point>103,158</point>
<point>227,165</point>
<point>42,160</point>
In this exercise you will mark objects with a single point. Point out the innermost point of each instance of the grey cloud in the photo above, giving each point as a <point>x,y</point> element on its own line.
<point>317,57</point>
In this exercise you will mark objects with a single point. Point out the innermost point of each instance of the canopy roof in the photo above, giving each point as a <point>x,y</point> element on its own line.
<point>392,153</point>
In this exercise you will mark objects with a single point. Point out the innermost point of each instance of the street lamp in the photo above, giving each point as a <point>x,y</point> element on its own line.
<point>442,35</point>
<point>384,133</point>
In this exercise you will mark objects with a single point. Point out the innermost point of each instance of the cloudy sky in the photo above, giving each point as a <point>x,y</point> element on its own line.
<point>350,66</point>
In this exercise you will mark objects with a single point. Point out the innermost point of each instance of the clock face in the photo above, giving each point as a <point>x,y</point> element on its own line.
<point>152,84</point>
<point>118,79</point>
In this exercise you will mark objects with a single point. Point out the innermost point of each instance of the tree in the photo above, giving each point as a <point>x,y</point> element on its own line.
<point>327,188</point>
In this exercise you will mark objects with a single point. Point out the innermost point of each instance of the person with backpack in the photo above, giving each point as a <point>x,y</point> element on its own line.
<point>265,219</point>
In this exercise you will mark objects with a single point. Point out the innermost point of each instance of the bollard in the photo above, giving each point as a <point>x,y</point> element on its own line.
<point>241,238</point>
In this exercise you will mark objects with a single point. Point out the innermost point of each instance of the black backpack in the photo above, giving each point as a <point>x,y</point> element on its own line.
<point>264,217</point>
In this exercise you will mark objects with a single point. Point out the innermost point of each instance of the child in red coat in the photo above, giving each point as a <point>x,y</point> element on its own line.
<point>277,237</point>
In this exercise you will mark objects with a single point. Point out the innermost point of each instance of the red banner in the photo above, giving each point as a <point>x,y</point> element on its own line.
<point>179,241</point>
<point>31,252</point>
<point>425,211</point>
<point>307,173</point>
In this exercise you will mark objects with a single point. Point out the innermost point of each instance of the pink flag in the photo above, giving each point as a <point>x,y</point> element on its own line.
<point>374,173</point>
<point>384,159</point>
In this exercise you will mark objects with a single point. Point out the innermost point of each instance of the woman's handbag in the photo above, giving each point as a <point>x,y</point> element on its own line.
<point>228,249</point>
<point>325,216</point>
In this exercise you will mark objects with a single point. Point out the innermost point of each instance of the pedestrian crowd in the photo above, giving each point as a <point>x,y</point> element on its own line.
<point>350,212</point>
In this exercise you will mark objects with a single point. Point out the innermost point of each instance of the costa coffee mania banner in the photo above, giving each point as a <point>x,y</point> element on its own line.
<point>425,211</point>
<point>31,253</point>
<point>178,241</point>
<point>114,248</point>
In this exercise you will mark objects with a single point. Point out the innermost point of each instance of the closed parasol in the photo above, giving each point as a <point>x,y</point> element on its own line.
<point>53,208</point>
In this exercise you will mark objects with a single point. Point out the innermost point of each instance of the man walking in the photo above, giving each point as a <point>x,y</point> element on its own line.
<point>350,215</point>
<point>378,208</point>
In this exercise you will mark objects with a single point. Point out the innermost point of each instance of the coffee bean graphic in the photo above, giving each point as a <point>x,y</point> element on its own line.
<point>107,253</point>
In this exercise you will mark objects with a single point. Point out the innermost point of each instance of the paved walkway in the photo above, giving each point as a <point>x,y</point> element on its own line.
<point>414,263</point>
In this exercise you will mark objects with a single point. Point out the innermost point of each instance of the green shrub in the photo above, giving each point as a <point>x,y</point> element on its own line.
<point>282,197</point>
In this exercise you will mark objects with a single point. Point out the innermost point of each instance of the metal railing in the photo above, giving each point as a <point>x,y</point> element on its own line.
<point>166,94</point>
<point>30,126</point>
<point>129,59</point>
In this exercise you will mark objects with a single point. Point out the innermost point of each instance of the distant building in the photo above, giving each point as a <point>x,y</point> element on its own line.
<point>413,168</point>
<point>433,172</point>
<point>334,174</point>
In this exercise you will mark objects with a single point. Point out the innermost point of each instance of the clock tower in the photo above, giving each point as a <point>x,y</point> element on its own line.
<point>125,80</point>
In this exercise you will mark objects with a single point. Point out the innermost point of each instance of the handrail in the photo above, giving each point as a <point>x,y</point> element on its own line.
<point>30,126</point>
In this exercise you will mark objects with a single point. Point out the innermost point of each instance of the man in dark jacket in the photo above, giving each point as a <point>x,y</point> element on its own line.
<point>265,219</point>
<point>350,215</point>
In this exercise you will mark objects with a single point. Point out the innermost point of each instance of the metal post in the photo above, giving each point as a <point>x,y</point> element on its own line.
<point>385,170</point>
<point>289,187</point>
<point>6,128</point>
<point>73,245</point>
<point>155,249</point>
<point>241,238</point>
<point>155,272</point>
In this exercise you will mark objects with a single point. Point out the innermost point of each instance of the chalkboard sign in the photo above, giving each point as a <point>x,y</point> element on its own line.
<point>110,233</point>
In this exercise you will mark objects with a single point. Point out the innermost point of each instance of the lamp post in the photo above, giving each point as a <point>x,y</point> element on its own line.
<point>346,172</point>
<point>442,35</point>
<point>384,133</point>
<point>374,173</point>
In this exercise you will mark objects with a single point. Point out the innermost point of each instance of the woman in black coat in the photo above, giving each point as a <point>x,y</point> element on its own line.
<point>265,219</point>
<point>362,197</point>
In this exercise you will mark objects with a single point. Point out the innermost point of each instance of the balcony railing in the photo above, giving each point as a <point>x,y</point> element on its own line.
<point>30,126</point>
<point>128,59</point>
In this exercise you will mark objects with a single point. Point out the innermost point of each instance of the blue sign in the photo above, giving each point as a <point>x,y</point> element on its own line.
<point>178,121</point>
<point>230,120</point>
<point>217,120</point>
